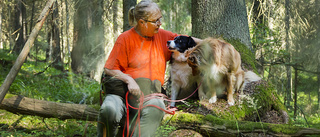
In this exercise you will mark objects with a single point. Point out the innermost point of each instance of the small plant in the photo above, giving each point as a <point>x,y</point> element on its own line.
<point>165,130</point>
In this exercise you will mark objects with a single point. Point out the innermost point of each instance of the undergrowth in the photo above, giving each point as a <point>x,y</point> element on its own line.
<point>39,81</point>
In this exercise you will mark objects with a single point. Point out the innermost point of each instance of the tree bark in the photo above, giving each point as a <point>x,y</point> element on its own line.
<point>127,4</point>
<point>210,125</point>
<point>288,68</point>
<point>20,25</point>
<point>226,18</point>
<point>1,5</point>
<point>88,54</point>
<point>318,85</point>
<point>295,93</point>
<point>317,3</point>
<point>67,34</point>
<point>32,14</point>
<point>48,109</point>
<point>55,39</point>
<point>21,58</point>
<point>1,42</point>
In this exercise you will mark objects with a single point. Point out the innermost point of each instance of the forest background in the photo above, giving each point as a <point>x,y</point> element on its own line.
<point>66,61</point>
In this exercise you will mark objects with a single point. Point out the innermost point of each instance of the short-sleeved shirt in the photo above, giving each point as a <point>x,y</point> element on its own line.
<point>141,57</point>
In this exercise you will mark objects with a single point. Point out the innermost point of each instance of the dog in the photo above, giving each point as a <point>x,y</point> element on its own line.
<point>183,83</point>
<point>219,65</point>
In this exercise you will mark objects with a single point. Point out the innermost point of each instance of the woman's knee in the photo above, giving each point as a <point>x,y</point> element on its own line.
<point>157,102</point>
<point>112,108</point>
<point>153,111</point>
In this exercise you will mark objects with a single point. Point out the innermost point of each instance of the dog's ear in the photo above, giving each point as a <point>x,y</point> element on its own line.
<point>191,42</point>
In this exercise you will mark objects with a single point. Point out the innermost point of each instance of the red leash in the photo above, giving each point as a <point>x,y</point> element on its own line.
<point>146,98</point>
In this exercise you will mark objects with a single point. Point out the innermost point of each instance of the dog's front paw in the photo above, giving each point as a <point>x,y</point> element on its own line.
<point>231,102</point>
<point>213,99</point>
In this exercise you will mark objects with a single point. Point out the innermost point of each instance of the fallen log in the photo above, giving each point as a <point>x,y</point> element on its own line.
<point>48,109</point>
<point>210,125</point>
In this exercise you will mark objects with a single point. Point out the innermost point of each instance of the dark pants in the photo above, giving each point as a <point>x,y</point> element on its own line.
<point>113,110</point>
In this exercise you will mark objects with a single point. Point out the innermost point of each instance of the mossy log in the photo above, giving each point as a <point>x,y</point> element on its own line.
<point>210,125</point>
<point>48,109</point>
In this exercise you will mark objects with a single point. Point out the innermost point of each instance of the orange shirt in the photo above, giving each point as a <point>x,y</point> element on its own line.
<point>141,57</point>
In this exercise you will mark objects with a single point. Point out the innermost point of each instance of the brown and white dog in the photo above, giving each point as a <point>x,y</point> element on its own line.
<point>219,65</point>
<point>183,83</point>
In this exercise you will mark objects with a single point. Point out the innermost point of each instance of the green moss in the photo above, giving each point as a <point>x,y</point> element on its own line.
<point>8,95</point>
<point>250,126</point>
<point>190,118</point>
<point>286,129</point>
<point>181,117</point>
<point>95,106</point>
<point>247,56</point>
<point>215,120</point>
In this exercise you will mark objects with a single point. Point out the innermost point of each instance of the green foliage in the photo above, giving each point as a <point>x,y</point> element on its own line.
<point>176,15</point>
<point>53,85</point>
<point>165,130</point>
<point>35,80</point>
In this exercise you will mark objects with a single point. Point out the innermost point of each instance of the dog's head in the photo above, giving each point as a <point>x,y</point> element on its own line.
<point>181,43</point>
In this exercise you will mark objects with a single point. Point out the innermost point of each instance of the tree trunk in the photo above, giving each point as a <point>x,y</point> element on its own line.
<point>48,109</point>
<point>115,21</point>
<point>319,84</point>
<point>32,14</point>
<point>127,4</point>
<point>88,55</point>
<point>288,68</point>
<point>210,125</point>
<point>295,93</point>
<point>226,18</point>
<point>317,4</point>
<point>67,34</point>
<point>21,58</point>
<point>55,39</point>
<point>20,25</point>
<point>1,43</point>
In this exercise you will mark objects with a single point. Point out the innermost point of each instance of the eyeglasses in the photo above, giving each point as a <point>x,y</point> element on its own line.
<point>158,21</point>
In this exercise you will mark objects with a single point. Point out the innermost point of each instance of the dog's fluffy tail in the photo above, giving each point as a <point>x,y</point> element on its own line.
<point>249,76</point>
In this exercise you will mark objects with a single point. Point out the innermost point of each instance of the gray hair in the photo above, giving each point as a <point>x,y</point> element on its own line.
<point>141,11</point>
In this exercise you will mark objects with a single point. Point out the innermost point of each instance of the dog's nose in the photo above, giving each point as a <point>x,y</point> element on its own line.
<point>168,42</point>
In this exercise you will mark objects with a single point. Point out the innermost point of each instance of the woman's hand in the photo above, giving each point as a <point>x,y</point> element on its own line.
<point>134,88</point>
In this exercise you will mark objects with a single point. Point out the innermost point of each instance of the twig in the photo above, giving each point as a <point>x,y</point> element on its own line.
<point>46,124</point>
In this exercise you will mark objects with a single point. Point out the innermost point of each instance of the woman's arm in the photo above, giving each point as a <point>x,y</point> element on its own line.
<point>133,87</point>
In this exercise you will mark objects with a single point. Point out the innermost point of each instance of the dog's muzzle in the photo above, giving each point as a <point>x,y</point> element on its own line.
<point>171,44</point>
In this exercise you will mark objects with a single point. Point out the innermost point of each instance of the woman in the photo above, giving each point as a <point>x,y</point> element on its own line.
<point>138,60</point>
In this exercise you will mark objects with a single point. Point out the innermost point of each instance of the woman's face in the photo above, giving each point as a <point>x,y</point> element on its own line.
<point>151,25</point>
